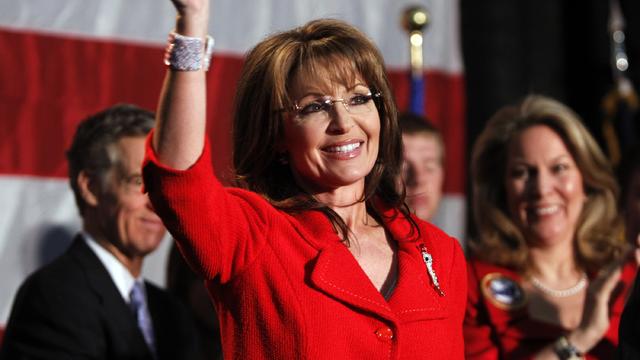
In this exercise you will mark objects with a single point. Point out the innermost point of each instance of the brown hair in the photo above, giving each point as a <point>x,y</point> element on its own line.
<point>414,124</point>
<point>91,147</point>
<point>598,238</point>
<point>344,53</point>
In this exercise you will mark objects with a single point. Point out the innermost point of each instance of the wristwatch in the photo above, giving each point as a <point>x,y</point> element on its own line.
<point>565,350</point>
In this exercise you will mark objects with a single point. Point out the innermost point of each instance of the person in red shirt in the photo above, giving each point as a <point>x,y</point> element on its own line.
<point>314,255</point>
<point>545,275</point>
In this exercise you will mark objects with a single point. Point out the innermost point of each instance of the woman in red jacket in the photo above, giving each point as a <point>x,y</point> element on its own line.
<point>314,255</point>
<point>545,280</point>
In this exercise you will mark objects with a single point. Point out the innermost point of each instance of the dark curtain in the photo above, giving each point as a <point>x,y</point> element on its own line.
<point>558,48</point>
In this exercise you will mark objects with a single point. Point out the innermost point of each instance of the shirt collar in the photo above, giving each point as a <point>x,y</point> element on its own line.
<point>119,274</point>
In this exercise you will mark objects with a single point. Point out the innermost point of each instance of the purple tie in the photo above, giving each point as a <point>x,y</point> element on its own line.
<point>138,305</point>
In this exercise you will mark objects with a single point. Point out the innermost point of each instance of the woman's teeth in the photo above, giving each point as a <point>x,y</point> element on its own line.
<point>344,148</point>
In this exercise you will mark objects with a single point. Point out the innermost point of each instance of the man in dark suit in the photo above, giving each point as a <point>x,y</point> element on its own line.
<point>92,302</point>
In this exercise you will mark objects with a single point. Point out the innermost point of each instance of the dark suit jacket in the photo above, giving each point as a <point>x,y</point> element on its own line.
<point>629,332</point>
<point>71,309</point>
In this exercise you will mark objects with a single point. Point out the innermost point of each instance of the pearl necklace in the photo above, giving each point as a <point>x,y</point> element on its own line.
<point>581,284</point>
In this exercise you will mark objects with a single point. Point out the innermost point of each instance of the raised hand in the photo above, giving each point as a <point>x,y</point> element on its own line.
<point>187,6</point>
<point>193,17</point>
<point>595,316</point>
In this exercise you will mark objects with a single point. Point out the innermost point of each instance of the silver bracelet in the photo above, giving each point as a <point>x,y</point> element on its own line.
<point>186,53</point>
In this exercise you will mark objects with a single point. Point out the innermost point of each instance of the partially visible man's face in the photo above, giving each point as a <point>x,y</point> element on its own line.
<point>423,173</point>
<point>126,215</point>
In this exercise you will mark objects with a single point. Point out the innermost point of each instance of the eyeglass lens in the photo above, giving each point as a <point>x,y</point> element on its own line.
<point>353,103</point>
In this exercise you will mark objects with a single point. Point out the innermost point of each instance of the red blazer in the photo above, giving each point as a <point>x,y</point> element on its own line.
<point>286,287</point>
<point>495,331</point>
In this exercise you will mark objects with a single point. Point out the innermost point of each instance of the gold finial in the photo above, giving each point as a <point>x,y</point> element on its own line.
<point>415,19</point>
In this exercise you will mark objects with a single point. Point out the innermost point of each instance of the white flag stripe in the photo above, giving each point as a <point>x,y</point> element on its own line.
<point>38,213</point>
<point>38,218</point>
<point>237,25</point>
<point>451,216</point>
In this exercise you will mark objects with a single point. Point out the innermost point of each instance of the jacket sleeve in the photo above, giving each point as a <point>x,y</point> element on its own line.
<point>46,324</point>
<point>219,230</point>
<point>478,333</point>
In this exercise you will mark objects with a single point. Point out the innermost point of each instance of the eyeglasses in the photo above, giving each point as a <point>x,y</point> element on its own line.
<point>318,109</point>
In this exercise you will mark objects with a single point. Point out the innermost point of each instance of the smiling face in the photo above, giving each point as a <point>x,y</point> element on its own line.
<point>125,213</point>
<point>544,187</point>
<point>329,147</point>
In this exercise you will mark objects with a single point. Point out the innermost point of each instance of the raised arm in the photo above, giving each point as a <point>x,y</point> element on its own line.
<point>178,137</point>
<point>220,230</point>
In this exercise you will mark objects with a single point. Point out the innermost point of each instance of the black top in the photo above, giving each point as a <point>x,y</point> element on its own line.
<point>629,331</point>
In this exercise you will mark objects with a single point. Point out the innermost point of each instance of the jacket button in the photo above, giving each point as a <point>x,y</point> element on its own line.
<point>384,334</point>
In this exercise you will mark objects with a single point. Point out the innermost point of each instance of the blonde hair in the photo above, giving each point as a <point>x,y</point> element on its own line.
<point>598,239</point>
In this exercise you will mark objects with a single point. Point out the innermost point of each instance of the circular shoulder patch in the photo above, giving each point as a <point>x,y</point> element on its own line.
<point>503,291</point>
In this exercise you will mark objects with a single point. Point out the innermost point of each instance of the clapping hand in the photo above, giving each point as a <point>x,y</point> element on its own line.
<point>595,316</point>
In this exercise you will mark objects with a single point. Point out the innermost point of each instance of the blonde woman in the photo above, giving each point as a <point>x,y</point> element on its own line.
<point>545,279</point>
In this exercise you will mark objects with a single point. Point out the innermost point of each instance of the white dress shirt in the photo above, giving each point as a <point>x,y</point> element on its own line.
<point>118,272</point>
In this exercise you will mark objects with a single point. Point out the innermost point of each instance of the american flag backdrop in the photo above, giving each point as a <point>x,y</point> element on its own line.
<point>61,60</point>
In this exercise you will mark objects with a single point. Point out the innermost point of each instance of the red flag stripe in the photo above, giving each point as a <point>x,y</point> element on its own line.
<point>52,82</point>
